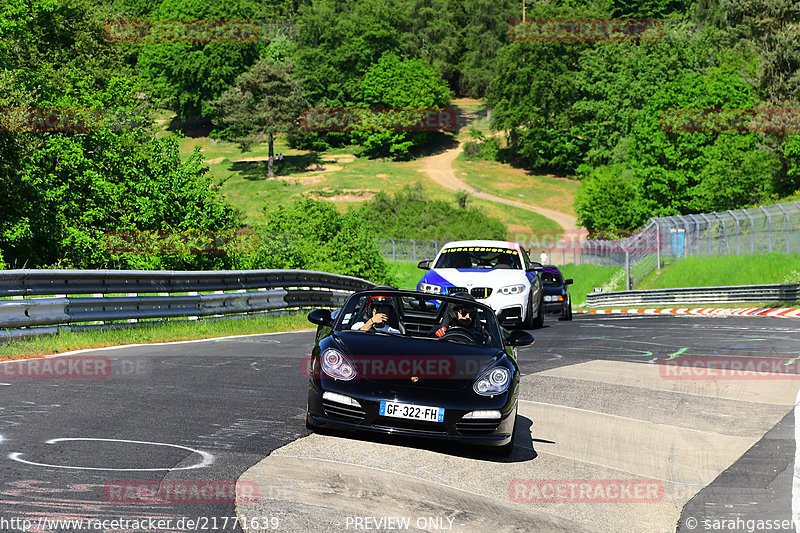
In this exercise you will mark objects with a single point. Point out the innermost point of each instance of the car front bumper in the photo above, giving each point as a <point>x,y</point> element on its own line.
<point>366,417</point>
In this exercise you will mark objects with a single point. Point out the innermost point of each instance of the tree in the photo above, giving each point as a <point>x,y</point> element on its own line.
<point>265,100</point>
<point>63,191</point>
<point>607,201</point>
<point>486,24</point>
<point>312,235</point>
<point>681,172</point>
<point>189,76</point>
<point>399,83</point>
<point>533,90</point>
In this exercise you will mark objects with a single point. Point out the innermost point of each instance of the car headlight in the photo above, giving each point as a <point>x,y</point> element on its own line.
<point>336,365</point>
<point>494,381</point>
<point>427,287</point>
<point>512,289</point>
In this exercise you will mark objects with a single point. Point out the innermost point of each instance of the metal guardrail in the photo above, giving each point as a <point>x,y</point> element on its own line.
<point>785,292</point>
<point>80,296</point>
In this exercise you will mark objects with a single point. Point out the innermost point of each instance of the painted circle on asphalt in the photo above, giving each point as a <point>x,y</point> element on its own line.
<point>207,458</point>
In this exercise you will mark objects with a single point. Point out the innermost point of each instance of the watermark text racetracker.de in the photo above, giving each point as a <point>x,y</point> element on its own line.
<point>768,120</point>
<point>144,524</point>
<point>196,31</point>
<point>377,119</point>
<point>586,30</point>
<point>180,492</point>
<point>65,119</point>
<point>70,367</point>
<point>167,242</point>
<point>585,491</point>
<point>720,368</point>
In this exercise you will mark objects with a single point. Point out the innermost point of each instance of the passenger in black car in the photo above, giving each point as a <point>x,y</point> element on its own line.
<point>380,311</point>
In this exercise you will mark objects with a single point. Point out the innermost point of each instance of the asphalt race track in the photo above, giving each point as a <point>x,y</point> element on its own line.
<point>597,412</point>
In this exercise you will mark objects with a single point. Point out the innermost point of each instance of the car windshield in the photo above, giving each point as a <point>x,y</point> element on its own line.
<point>550,278</point>
<point>481,257</point>
<point>420,316</point>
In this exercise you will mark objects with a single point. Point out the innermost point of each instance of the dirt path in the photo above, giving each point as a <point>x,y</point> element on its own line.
<point>439,168</point>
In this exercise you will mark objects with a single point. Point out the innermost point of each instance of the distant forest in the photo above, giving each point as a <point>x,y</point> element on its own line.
<point>590,110</point>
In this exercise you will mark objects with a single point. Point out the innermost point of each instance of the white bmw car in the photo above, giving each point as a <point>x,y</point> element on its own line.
<point>497,273</point>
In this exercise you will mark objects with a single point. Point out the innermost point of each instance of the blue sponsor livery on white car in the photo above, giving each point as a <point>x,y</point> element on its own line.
<point>497,273</point>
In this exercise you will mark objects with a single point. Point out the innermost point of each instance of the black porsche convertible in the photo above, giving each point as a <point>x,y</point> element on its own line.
<point>400,362</point>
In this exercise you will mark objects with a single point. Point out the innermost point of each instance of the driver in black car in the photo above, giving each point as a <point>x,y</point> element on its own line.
<point>463,316</point>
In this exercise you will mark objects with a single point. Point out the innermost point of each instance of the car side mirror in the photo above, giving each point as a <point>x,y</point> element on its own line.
<point>568,281</point>
<point>519,338</point>
<point>424,265</point>
<point>320,317</point>
<point>534,267</point>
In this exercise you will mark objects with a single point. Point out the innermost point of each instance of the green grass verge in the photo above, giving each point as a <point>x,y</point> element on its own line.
<point>587,277</point>
<point>67,341</point>
<point>725,270</point>
<point>406,274</point>
<point>517,184</point>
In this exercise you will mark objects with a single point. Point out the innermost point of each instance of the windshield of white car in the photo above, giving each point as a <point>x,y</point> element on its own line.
<point>479,257</point>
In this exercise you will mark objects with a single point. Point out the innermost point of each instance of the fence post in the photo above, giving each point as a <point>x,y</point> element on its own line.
<point>769,227</point>
<point>724,233</point>
<point>574,252</point>
<point>413,251</point>
<point>697,230</point>
<point>394,257</point>
<point>738,232</point>
<point>627,271</point>
<point>658,246</point>
<point>787,227</point>
<point>752,230</point>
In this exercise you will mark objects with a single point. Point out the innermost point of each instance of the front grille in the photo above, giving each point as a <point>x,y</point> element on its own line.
<point>453,290</point>
<point>413,425</point>
<point>346,413</point>
<point>477,427</point>
<point>481,292</point>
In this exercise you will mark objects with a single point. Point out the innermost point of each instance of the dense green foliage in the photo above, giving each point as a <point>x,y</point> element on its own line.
<point>311,234</point>
<point>188,76</point>
<point>395,83</point>
<point>593,109</point>
<point>63,190</point>
<point>411,214</point>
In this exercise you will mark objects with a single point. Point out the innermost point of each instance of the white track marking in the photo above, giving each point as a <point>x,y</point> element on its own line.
<point>208,459</point>
<point>796,477</point>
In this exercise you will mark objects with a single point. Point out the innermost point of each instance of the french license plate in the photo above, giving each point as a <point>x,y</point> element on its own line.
<point>412,412</point>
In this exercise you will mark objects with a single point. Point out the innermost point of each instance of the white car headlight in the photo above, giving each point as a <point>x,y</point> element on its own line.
<point>494,381</point>
<point>336,365</point>
<point>512,289</point>
<point>427,287</point>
